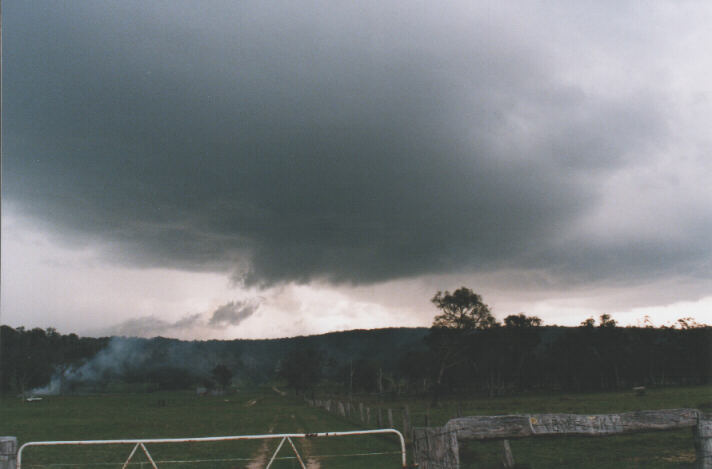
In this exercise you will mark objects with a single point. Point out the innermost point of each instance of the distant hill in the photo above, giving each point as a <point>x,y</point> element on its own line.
<point>48,362</point>
<point>259,358</point>
<point>495,361</point>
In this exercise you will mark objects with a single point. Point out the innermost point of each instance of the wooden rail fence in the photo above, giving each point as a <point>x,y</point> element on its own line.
<point>437,447</point>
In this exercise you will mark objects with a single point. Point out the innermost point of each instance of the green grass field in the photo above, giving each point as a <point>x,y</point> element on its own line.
<point>183,414</point>
<point>257,411</point>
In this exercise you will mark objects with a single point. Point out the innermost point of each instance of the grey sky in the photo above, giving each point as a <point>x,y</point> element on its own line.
<point>356,144</point>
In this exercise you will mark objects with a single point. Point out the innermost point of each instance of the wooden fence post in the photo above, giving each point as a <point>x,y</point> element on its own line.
<point>8,452</point>
<point>703,440</point>
<point>435,448</point>
<point>406,422</point>
<point>507,456</point>
<point>340,409</point>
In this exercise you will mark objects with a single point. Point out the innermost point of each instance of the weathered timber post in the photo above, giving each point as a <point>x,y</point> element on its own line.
<point>507,456</point>
<point>390,418</point>
<point>703,440</point>
<point>406,422</point>
<point>8,452</point>
<point>340,409</point>
<point>435,448</point>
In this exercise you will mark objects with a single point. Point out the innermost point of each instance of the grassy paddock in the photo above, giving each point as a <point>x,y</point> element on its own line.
<point>183,414</point>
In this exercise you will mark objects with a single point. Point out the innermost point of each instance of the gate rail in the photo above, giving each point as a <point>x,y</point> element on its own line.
<point>285,437</point>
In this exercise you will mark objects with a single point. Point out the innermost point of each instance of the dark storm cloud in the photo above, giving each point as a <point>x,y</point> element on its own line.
<point>229,314</point>
<point>232,313</point>
<point>288,142</point>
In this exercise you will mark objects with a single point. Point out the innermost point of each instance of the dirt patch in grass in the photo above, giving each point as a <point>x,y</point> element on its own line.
<point>260,459</point>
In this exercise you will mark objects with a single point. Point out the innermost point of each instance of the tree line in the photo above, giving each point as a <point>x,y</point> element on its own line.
<point>466,350</point>
<point>29,358</point>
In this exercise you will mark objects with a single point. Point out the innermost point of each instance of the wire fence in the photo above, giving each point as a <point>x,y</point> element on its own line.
<point>366,413</point>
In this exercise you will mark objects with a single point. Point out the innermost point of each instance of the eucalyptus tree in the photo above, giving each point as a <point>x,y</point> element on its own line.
<point>462,313</point>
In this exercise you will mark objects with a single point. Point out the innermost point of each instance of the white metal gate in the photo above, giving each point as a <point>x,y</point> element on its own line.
<point>285,437</point>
